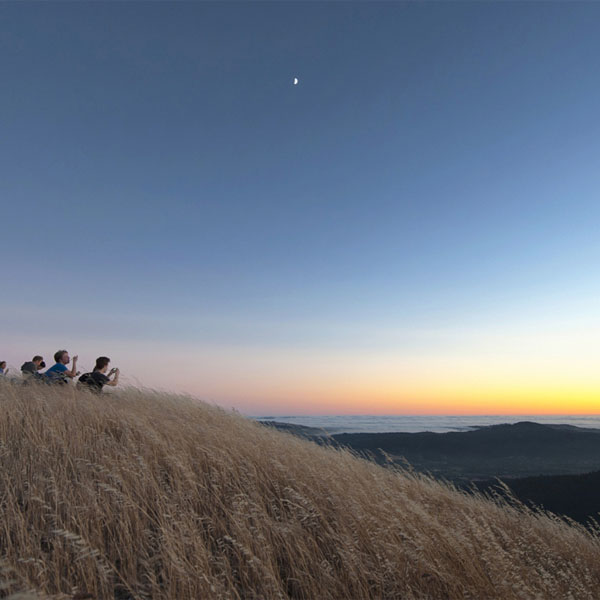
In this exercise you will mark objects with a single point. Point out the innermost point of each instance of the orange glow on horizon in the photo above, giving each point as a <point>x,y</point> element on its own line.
<point>312,381</point>
<point>417,400</point>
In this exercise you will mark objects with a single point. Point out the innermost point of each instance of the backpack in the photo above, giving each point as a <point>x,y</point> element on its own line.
<point>88,382</point>
<point>84,380</point>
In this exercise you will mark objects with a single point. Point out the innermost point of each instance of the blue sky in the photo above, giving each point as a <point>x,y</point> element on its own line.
<point>165,184</point>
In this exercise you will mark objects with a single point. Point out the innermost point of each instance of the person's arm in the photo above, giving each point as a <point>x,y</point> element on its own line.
<point>73,372</point>
<point>115,379</point>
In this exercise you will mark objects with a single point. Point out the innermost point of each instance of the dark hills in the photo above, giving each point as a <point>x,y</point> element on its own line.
<point>506,451</point>
<point>575,496</point>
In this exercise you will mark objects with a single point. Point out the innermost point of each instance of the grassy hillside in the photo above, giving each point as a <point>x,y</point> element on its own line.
<point>144,495</point>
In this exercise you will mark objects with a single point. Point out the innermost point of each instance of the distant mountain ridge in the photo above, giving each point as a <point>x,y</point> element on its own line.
<point>516,450</point>
<point>513,450</point>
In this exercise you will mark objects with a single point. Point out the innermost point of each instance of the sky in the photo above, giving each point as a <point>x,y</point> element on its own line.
<point>412,229</point>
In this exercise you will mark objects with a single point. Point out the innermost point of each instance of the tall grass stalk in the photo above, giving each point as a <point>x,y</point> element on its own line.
<point>142,495</point>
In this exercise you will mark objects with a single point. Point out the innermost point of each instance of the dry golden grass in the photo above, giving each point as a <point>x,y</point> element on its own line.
<point>145,495</point>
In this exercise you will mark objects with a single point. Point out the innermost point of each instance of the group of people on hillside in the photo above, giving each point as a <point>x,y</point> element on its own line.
<point>59,373</point>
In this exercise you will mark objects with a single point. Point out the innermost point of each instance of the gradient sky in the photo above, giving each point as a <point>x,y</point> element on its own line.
<point>414,228</point>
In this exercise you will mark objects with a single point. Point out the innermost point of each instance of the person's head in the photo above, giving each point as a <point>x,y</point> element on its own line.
<point>62,357</point>
<point>102,363</point>
<point>2,364</point>
<point>38,361</point>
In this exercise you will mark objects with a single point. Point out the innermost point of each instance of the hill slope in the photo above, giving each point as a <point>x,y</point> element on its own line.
<point>143,495</point>
<point>518,450</point>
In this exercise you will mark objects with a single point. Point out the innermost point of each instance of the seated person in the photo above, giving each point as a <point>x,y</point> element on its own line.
<point>97,379</point>
<point>58,373</point>
<point>30,369</point>
<point>3,369</point>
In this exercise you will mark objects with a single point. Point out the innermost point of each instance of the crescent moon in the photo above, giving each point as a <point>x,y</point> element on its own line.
<point>295,81</point>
